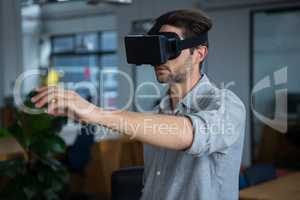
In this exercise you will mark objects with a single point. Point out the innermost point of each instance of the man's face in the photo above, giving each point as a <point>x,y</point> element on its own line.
<point>179,69</point>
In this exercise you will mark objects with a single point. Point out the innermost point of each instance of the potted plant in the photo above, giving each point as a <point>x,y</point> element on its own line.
<point>40,175</point>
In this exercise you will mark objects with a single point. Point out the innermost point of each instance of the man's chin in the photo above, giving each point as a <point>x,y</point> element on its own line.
<point>163,77</point>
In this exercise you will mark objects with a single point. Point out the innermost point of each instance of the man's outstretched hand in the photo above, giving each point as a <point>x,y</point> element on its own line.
<point>61,102</point>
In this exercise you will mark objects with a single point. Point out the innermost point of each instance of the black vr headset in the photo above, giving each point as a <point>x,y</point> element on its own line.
<point>156,47</point>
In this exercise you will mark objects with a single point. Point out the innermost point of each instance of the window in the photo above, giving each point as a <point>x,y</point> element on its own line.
<point>275,66</point>
<point>87,42</point>
<point>62,44</point>
<point>82,57</point>
<point>108,41</point>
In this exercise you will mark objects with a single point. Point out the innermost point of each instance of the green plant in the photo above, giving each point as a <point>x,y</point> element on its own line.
<point>40,176</point>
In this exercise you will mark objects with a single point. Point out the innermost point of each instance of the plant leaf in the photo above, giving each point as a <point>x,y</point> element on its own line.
<point>4,133</point>
<point>17,132</point>
<point>12,168</point>
<point>47,145</point>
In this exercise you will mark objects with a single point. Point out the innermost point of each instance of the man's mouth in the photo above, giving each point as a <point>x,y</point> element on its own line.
<point>162,68</point>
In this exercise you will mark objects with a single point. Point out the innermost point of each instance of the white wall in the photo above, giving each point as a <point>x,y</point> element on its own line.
<point>229,57</point>
<point>82,24</point>
<point>10,45</point>
<point>31,29</point>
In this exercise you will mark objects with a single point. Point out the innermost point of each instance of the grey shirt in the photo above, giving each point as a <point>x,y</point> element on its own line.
<point>209,169</point>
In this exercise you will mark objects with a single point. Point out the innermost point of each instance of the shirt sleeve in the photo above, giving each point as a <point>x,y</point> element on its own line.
<point>216,130</point>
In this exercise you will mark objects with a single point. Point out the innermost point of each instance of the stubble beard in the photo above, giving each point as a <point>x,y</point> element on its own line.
<point>179,76</point>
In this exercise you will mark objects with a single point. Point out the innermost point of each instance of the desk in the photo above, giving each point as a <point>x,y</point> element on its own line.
<point>10,148</point>
<point>286,187</point>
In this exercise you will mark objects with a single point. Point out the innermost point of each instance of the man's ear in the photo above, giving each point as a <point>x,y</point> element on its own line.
<point>201,53</point>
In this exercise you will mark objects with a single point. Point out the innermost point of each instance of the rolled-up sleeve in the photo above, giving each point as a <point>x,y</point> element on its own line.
<point>216,130</point>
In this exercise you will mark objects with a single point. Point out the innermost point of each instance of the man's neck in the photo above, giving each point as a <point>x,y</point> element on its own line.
<point>178,91</point>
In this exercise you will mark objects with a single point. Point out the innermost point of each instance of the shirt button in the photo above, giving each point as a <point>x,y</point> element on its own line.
<point>158,173</point>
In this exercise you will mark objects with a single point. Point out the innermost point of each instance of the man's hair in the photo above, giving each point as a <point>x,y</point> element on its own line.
<point>192,22</point>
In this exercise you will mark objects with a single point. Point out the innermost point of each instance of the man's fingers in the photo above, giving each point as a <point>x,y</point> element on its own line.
<point>59,100</point>
<point>55,107</point>
<point>42,93</point>
<point>59,109</point>
<point>49,97</point>
<point>45,90</point>
<point>39,89</point>
<point>44,100</point>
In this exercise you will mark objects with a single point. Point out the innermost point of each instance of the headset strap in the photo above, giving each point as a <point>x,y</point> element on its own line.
<point>193,41</point>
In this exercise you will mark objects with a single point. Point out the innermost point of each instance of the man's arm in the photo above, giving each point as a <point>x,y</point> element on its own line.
<point>173,132</point>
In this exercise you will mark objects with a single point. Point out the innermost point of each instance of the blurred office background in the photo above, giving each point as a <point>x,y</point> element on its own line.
<point>250,41</point>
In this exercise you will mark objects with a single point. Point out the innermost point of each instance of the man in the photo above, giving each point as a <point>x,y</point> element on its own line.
<point>194,138</point>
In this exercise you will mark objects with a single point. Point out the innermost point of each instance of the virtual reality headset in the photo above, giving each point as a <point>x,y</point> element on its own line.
<point>156,49</point>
